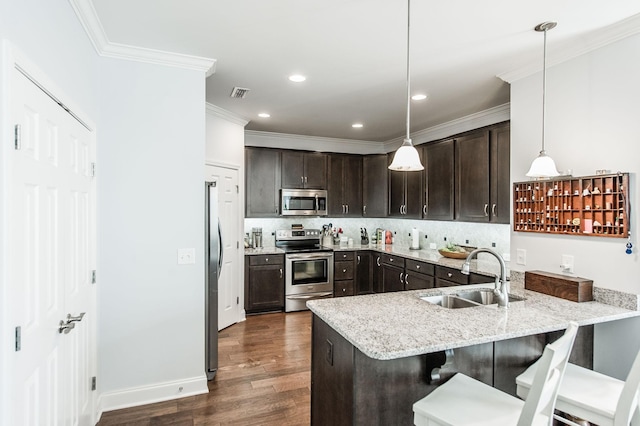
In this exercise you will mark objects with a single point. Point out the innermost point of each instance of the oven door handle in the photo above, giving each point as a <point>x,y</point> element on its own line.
<point>310,296</point>
<point>309,256</point>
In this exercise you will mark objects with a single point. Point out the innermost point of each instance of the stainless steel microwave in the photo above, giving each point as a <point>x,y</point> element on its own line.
<point>303,202</point>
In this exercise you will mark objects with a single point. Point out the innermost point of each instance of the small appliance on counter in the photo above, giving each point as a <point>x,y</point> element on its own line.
<point>256,237</point>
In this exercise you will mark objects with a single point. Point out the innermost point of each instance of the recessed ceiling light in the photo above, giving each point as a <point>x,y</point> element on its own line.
<point>297,78</point>
<point>419,97</point>
<point>264,115</point>
<point>357,125</point>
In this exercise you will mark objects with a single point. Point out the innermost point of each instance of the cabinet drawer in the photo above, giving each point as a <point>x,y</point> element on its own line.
<point>343,271</point>
<point>343,288</point>
<point>440,282</point>
<point>475,278</point>
<point>392,260</point>
<point>343,255</point>
<point>419,267</point>
<point>415,281</point>
<point>266,259</point>
<point>450,274</point>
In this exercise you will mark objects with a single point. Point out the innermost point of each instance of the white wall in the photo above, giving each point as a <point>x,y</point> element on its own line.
<point>593,122</point>
<point>150,204</point>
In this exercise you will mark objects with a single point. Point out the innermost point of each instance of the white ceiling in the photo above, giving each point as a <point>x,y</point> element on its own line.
<point>353,53</point>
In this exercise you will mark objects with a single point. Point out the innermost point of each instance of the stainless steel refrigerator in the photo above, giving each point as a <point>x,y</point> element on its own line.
<point>213,261</point>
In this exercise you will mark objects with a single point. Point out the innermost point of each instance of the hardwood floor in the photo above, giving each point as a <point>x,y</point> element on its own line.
<point>263,379</point>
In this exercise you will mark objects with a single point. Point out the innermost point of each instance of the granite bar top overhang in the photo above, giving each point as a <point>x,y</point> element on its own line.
<point>397,325</point>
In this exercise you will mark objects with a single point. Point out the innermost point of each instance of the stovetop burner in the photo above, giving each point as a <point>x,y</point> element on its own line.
<point>300,240</point>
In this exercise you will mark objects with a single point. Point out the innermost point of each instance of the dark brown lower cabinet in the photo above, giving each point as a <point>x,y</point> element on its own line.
<point>349,388</point>
<point>364,281</point>
<point>392,278</point>
<point>376,272</point>
<point>264,283</point>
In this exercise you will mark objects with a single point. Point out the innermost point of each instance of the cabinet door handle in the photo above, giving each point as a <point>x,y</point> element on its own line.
<point>400,209</point>
<point>280,272</point>
<point>358,259</point>
<point>302,180</point>
<point>305,179</point>
<point>406,279</point>
<point>378,261</point>
<point>486,209</point>
<point>493,209</point>
<point>424,209</point>
<point>347,208</point>
<point>401,278</point>
<point>364,209</point>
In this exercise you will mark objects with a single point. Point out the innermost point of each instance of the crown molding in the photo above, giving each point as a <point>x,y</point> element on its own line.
<point>226,115</point>
<point>569,50</point>
<point>88,17</point>
<point>311,143</point>
<point>470,122</point>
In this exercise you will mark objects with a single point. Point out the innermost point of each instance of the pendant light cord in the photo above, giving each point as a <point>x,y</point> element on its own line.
<point>408,66</point>
<point>544,88</point>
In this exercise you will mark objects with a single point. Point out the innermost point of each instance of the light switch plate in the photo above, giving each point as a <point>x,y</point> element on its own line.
<point>521,256</point>
<point>186,256</point>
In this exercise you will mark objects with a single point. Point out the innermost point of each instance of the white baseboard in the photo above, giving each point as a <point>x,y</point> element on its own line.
<point>158,392</point>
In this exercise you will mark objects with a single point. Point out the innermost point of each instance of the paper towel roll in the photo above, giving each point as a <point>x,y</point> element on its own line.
<point>415,238</point>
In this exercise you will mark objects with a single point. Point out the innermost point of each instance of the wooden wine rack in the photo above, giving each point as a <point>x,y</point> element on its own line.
<point>589,205</point>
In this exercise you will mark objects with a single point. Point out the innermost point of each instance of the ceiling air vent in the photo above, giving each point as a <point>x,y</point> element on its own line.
<point>239,92</point>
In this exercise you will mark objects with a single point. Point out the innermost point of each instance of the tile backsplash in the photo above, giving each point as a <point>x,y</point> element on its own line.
<point>494,236</point>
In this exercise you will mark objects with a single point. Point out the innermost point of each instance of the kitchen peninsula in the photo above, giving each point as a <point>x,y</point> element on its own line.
<point>373,356</point>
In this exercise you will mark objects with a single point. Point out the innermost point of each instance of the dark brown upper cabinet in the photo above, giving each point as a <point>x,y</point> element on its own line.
<point>439,182</point>
<point>302,169</point>
<point>405,191</point>
<point>262,177</point>
<point>345,185</point>
<point>482,175</point>
<point>375,192</point>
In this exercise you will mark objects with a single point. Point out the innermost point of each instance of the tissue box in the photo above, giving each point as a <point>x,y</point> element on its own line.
<point>575,289</point>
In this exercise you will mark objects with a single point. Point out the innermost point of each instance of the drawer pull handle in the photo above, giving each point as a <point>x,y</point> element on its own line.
<point>449,274</point>
<point>417,266</point>
<point>344,270</point>
<point>266,259</point>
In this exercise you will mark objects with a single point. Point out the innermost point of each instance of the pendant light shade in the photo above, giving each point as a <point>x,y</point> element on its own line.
<point>406,158</point>
<point>543,166</point>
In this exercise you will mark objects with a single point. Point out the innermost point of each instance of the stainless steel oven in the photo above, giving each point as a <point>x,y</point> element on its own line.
<point>308,267</point>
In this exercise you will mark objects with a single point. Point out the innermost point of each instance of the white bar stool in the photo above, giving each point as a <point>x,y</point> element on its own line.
<point>592,396</point>
<point>465,401</point>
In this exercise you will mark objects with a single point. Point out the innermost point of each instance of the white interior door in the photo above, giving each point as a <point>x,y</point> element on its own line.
<point>51,253</point>
<point>229,215</point>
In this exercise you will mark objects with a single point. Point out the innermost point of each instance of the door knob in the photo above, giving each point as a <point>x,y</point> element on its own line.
<point>66,327</point>
<point>71,319</point>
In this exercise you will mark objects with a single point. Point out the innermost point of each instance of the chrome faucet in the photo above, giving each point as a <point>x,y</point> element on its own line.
<point>502,288</point>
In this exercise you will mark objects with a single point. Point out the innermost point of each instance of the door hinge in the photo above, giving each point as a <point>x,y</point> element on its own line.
<point>93,383</point>
<point>93,276</point>
<point>18,338</point>
<point>17,137</point>
<point>93,170</point>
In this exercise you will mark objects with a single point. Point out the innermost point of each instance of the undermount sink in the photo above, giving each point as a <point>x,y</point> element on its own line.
<point>485,296</point>
<point>467,299</point>
<point>449,301</point>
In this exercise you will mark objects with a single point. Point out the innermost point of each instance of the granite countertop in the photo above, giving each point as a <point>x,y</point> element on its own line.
<point>396,325</point>
<point>262,250</point>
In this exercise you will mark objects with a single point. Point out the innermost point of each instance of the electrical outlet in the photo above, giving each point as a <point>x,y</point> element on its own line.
<point>566,264</point>
<point>521,256</point>
<point>186,256</point>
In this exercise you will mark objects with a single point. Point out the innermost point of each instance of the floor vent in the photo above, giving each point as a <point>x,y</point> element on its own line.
<point>239,92</point>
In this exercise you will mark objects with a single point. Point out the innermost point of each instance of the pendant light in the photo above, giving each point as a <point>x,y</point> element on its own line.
<point>406,158</point>
<point>543,166</point>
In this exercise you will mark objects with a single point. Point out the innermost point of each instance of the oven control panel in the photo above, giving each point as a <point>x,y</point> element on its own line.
<point>298,234</point>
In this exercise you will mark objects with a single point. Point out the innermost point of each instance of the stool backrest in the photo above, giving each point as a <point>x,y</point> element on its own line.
<point>627,408</point>
<point>541,399</point>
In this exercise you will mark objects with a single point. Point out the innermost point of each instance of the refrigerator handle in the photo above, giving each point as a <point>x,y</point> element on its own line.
<point>221,257</point>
